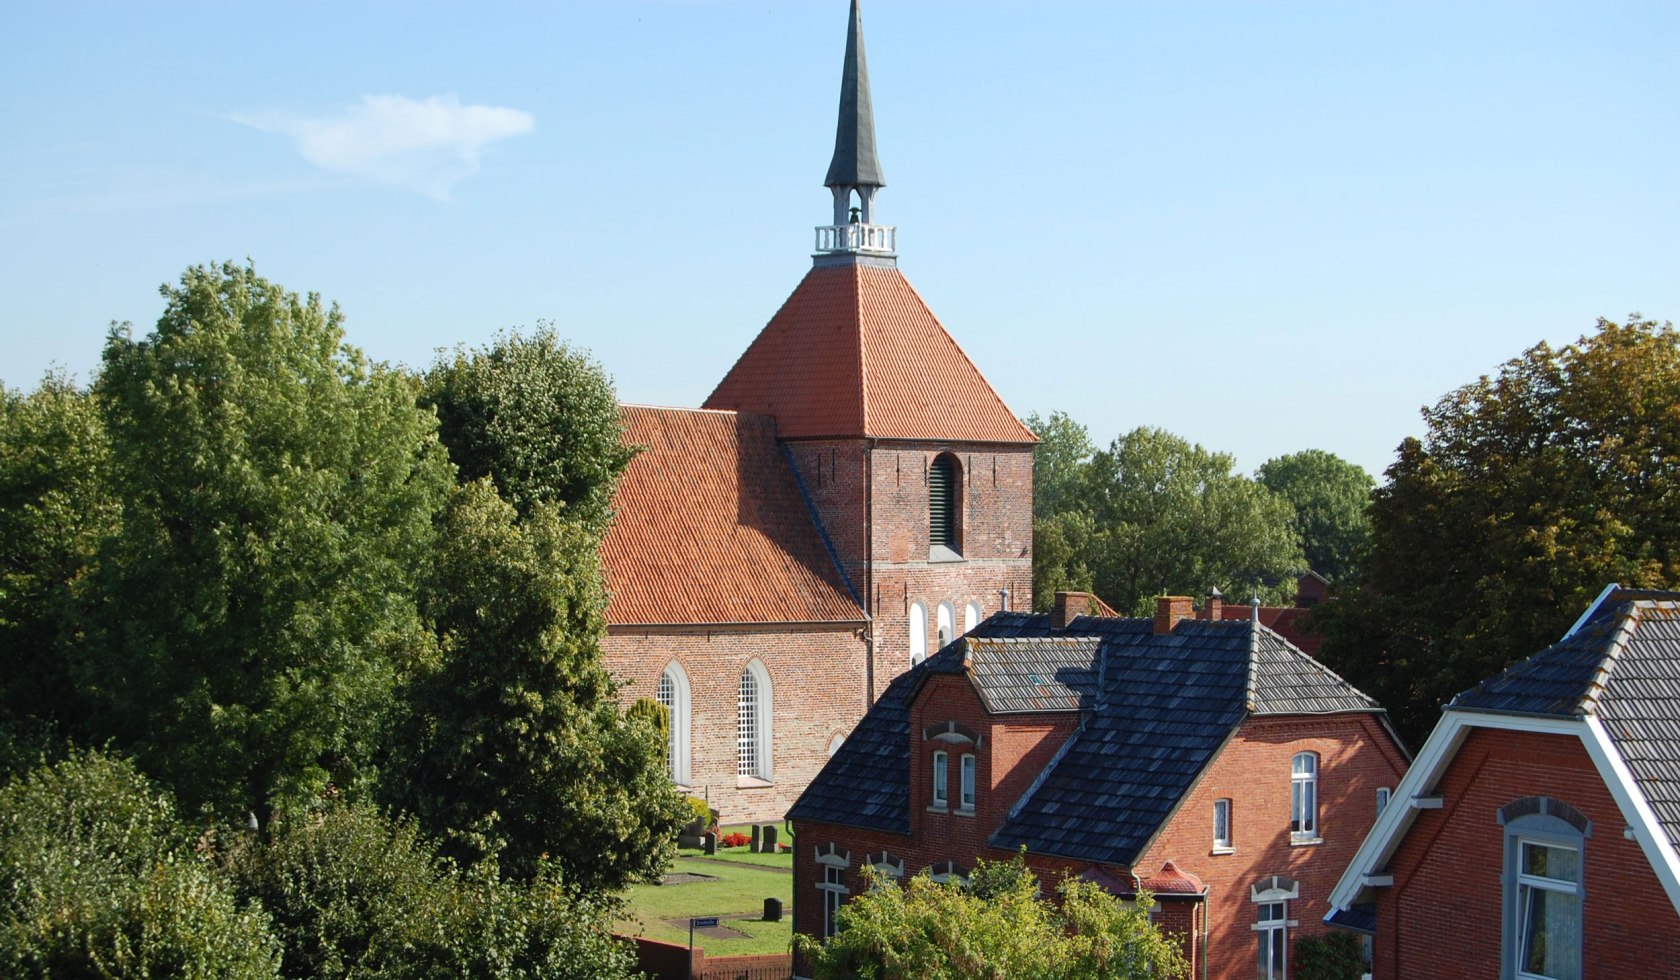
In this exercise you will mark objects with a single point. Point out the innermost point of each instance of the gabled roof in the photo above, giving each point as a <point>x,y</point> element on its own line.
<point>1040,673</point>
<point>855,352</point>
<point>713,527</point>
<point>1614,683</point>
<point>1159,708</point>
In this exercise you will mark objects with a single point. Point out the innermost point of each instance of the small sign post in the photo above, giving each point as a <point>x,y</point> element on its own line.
<point>705,923</point>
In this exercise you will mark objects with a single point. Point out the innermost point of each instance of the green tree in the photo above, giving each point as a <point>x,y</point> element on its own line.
<point>1001,929</point>
<point>1063,452</point>
<point>98,879</point>
<point>1329,495</point>
<point>538,418</point>
<point>1172,517</point>
<point>354,893</point>
<point>245,627</point>
<point>55,508</point>
<point>516,747</point>
<point>1529,492</point>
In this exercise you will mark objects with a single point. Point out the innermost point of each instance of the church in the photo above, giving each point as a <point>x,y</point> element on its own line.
<point>852,496</point>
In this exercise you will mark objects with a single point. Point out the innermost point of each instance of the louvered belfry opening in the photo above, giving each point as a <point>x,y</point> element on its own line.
<point>943,481</point>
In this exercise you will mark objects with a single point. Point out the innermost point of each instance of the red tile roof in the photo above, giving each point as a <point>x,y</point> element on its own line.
<point>712,528</point>
<point>855,352</point>
<point>1170,880</point>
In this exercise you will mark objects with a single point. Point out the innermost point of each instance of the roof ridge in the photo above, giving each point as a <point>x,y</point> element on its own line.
<point>686,408</point>
<point>1626,620</point>
<point>1251,697</point>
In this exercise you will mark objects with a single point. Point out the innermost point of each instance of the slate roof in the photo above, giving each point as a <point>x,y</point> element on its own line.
<point>1159,708</point>
<point>1015,674</point>
<point>854,352</point>
<point>712,527</point>
<point>1622,664</point>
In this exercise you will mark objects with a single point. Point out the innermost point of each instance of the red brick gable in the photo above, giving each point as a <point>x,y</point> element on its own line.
<point>855,352</point>
<point>711,528</point>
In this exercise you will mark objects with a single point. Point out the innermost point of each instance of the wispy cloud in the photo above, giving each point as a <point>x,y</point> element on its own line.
<point>424,145</point>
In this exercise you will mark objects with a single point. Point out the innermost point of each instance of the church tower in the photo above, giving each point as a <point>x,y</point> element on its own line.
<point>920,475</point>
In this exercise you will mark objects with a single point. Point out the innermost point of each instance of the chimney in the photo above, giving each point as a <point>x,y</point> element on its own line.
<point>1069,606</point>
<point>1169,609</point>
<point>1214,608</point>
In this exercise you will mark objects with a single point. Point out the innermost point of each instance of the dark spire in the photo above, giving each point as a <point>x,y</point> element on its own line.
<point>854,163</point>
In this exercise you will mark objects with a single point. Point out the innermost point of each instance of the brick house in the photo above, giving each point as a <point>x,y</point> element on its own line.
<point>1536,835</point>
<point>1204,759</point>
<point>852,496</point>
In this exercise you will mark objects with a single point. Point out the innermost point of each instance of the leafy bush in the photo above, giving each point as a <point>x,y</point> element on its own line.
<point>701,813</point>
<point>354,892</point>
<point>97,878</point>
<point>1332,956</point>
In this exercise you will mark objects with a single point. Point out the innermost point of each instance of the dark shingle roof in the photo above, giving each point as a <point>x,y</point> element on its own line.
<point>1156,708</point>
<point>1033,673</point>
<point>1623,665</point>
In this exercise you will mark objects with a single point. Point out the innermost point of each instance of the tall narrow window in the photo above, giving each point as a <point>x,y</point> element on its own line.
<point>940,775</point>
<point>752,724</point>
<point>1303,797</point>
<point>673,694</point>
<point>967,798</point>
<point>1222,825</point>
<point>944,484</point>
<point>971,617</point>
<point>1383,796</point>
<point>1273,931</point>
<point>918,633</point>
<point>1548,911</point>
<point>833,887</point>
<point>947,624</point>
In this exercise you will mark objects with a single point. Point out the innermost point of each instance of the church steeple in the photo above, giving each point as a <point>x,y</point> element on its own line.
<point>855,169</point>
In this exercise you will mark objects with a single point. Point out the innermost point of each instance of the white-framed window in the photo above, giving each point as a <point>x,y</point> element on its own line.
<point>834,863</point>
<point>947,624</point>
<point>834,744</point>
<point>1222,825</point>
<point>918,633</point>
<point>971,617</point>
<point>1548,911</point>
<point>1273,933</point>
<point>753,724</point>
<point>966,801</point>
<point>1384,794</point>
<point>674,695</point>
<point>948,871</point>
<point>1303,797</point>
<point>888,868</point>
<point>941,795</point>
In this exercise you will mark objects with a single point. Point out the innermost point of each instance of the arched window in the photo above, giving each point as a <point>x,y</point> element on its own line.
<point>918,633</point>
<point>947,624</point>
<point>1303,797</point>
<point>1545,848</point>
<point>674,695</point>
<point>752,724</point>
<point>944,507</point>
<point>971,617</point>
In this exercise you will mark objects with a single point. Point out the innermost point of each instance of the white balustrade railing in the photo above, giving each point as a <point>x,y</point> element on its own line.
<point>857,238</point>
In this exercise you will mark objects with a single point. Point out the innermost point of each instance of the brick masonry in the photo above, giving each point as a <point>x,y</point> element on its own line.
<point>1357,755</point>
<point>1443,915</point>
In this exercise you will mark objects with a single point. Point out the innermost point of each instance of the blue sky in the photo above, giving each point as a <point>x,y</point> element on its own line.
<point>1263,226</point>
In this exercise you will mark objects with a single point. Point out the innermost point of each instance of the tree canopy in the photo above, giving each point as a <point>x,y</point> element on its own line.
<point>1529,492</point>
<point>996,927</point>
<point>1154,514</point>
<point>246,624</point>
<point>1329,495</point>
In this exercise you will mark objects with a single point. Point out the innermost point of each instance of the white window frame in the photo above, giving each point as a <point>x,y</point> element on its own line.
<point>971,616</point>
<point>679,711</point>
<point>1272,932</point>
<point>1222,826</point>
<point>946,624</point>
<point>968,767</point>
<point>753,726</point>
<point>1303,799</point>
<point>833,863</point>
<point>918,633</point>
<point>1543,830</point>
<point>941,769</point>
<point>1384,795</point>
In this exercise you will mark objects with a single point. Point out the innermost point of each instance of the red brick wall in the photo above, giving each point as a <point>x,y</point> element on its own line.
<point>1356,756</point>
<point>817,684</point>
<point>1443,915</point>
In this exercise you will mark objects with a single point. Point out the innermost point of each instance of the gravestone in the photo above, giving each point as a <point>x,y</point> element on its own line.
<point>768,840</point>
<point>754,847</point>
<point>708,843</point>
<point>772,910</point>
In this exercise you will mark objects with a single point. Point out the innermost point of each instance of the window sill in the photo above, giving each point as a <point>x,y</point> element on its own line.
<point>1219,849</point>
<point>1305,841</point>
<point>966,811</point>
<point>938,808</point>
<point>940,553</point>
<point>753,782</point>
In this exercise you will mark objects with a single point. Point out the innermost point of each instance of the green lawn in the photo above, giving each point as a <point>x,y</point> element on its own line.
<point>738,889</point>
<point>741,855</point>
